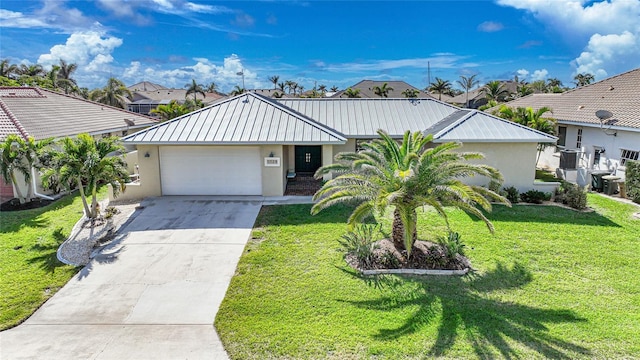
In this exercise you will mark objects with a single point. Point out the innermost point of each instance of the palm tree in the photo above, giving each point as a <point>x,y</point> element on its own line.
<point>274,79</point>
<point>170,111</point>
<point>32,70</point>
<point>540,86</point>
<point>352,93</point>
<point>87,164</point>
<point>583,79</point>
<point>524,90</point>
<point>114,94</point>
<point>7,69</point>
<point>282,87</point>
<point>495,90</point>
<point>410,93</point>
<point>212,87</point>
<point>19,155</point>
<point>237,91</point>
<point>467,84</point>
<point>533,119</point>
<point>291,86</point>
<point>195,89</point>
<point>406,176</point>
<point>382,91</point>
<point>64,76</point>
<point>440,87</point>
<point>334,88</point>
<point>554,82</point>
<point>52,77</point>
<point>323,89</point>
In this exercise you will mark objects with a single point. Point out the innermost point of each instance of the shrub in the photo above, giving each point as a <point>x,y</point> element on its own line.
<point>452,245</point>
<point>571,195</point>
<point>512,194</point>
<point>360,243</point>
<point>632,182</point>
<point>535,196</point>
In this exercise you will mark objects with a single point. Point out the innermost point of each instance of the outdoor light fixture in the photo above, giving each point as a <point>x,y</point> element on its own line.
<point>271,154</point>
<point>147,154</point>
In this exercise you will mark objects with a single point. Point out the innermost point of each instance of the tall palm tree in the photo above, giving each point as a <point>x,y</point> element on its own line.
<point>87,164</point>
<point>212,87</point>
<point>410,93</point>
<point>114,94</point>
<point>583,79</point>
<point>553,82</point>
<point>64,76</point>
<point>282,86</point>
<point>440,86</point>
<point>274,79</point>
<point>170,111</point>
<point>7,69</point>
<point>322,88</point>
<point>406,176</point>
<point>352,93</point>
<point>495,90</point>
<point>523,90</point>
<point>291,86</point>
<point>32,70</point>
<point>52,77</point>
<point>195,89</point>
<point>467,84</point>
<point>382,91</point>
<point>540,86</point>
<point>334,88</point>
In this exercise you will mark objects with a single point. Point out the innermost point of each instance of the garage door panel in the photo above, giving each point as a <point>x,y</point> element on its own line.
<point>210,170</point>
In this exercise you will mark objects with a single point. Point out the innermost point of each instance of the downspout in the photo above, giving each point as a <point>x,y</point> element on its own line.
<point>35,186</point>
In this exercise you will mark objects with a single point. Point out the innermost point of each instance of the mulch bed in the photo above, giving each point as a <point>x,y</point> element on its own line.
<point>14,204</point>
<point>424,255</point>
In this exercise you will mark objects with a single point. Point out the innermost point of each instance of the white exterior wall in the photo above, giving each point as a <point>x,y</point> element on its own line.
<point>592,138</point>
<point>515,161</point>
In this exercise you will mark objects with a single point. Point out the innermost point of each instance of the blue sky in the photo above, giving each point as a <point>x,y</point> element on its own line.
<point>322,42</point>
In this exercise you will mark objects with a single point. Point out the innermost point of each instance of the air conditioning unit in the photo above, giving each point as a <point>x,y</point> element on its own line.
<point>568,159</point>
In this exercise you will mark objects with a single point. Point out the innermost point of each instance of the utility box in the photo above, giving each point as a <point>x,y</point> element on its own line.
<point>568,159</point>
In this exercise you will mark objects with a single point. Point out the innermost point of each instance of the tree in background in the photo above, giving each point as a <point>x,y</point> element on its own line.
<point>406,176</point>
<point>352,93</point>
<point>440,87</point>
<point>7,69</point>
<point>495,90</point>
<point>237,90</point>
<point>170,111</point>
<point>334,89</point>
<point>87,163</point>
<point>115,93</point>
<point>195,89</point>
<point>212,87</point>
<point>410,93</point>
<point>65,81</point>
<point>583,79</point>
<point>382,91</point>
<point>532,119</point>
<point>274,80</point>
<point>467,84</point>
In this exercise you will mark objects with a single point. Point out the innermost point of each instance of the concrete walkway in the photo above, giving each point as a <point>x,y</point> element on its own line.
<point>152,294</point>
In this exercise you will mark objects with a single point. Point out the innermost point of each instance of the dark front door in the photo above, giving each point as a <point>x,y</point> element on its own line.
<point>308,158</point>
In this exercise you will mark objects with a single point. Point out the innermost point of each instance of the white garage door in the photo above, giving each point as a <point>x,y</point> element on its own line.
<point>210,170</point>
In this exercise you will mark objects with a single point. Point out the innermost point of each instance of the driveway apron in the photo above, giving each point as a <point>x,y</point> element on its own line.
<point>153,293</point>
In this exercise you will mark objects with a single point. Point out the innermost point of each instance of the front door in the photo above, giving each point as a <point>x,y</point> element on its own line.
<point>308,158</point>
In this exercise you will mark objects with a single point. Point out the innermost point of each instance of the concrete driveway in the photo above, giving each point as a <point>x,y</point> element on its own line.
<point>152,294</point>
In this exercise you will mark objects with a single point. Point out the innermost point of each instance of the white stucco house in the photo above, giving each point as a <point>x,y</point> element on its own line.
<point>587,142</point>
<point>248,144</point>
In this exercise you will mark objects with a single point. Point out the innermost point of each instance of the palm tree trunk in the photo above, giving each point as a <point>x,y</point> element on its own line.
<point>94,200</point>
<point>18,191</point>
<point>398,230</point>
<point>87,211</point>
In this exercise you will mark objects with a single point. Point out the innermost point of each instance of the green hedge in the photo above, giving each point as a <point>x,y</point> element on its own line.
<point>633,180</point>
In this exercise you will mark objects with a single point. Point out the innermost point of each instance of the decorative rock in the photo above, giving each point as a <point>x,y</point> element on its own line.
<point>416,272</point>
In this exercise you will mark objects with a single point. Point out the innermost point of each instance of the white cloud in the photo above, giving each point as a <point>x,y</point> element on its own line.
<point>609,30</point>
<point>52,15</point>
<point>490,26</point>
<point>204,71</point>
<point>522,73</point>
<point>539,75</point>
<point>442,61</point>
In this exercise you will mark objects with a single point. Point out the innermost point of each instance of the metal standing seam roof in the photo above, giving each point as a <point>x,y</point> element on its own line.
<point>41,113</point>
<point>476,126</point>
<point>618,94</point>
<point>362,118</point>
<point>245,119</point>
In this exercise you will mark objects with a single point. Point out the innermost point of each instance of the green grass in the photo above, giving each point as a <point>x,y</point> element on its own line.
<point>551,283</point>
<point>30,273</point>
<point>546,176</point>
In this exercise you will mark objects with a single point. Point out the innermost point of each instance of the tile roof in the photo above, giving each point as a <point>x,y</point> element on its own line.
<point>145,86</point>
<point>245,119</point>
<point>42,114</point>
<point>619,94</point>
<point>366,89</point>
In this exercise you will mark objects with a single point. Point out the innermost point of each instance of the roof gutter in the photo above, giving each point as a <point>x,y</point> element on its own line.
<point>592,125</point>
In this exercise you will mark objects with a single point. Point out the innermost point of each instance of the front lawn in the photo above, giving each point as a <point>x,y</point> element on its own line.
<point>30,273</point>
<point>551,283</point>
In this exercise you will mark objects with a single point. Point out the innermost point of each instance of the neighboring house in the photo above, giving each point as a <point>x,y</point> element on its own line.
<point>366,90</point>
<point>248,144</point>
<point>146,100</point>
<point>586,143</point>
<point>42,114</point>
<point>477,96</point>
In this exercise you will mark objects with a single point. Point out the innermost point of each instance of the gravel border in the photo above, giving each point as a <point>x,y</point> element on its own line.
<point>79,247</point>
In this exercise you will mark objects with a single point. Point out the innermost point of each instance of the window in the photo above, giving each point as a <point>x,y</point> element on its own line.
<point>579,139</point>
<point>562,135</point>
<point>628,155</point>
